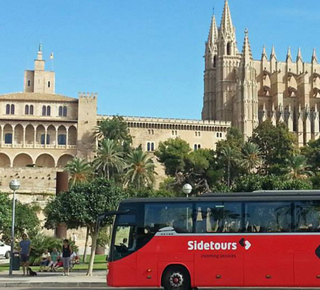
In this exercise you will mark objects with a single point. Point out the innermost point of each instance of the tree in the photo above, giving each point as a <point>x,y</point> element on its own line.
<point>81,206</point>
<point>26,219</point>
<point>228,153</point>
<point>277,145</point>
<point>109,159</point>
<point>172,154</point>
<point>253,182</point>
<point>199,170</point>
<point>312,152</point>
<point>298,167</point>
<point>79,170</point>
<point>251,157</point>
<point>140,169</point>
<point>115,129</point>
<point>229,157</point>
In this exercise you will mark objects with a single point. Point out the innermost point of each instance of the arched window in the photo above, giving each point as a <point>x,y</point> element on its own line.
<point>31,109</point>
<point>215,61</point>
<point>43,141</point>
<point>29,83</point>
<point>152,146</point>
<point>65,111</point>
<point>48,111</point>
<point>60,111</point>
<point>8,138</point>
<point>44,110</point>
<point>62,140</point>
<point>7,109</point>
<point>229,48</point>
<point>26,110</point>
<point>49,84</point>
<point>12,109</point>
<point>148,146</point>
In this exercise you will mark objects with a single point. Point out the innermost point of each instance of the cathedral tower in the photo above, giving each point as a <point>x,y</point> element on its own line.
<point>245,91</point>
<point>222,95</point>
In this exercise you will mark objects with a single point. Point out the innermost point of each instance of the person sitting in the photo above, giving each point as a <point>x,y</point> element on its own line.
<point>54,259</point>
<point>58,264</point>
<point>45,260</point>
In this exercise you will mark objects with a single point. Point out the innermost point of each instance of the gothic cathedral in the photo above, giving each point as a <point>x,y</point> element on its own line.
<point>245,91</point>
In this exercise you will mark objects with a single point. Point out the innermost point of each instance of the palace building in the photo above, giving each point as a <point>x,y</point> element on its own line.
<point>40,131</point>
<point>245,92</point>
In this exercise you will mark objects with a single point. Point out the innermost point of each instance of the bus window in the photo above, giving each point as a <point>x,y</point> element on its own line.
<point>307,216</point>
<point>220,217</point>
<point>176,215</point>
<point>124,242</point>
<point>267,216</point>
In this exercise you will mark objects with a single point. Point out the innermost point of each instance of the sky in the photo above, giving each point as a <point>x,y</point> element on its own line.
<point>142,57</point>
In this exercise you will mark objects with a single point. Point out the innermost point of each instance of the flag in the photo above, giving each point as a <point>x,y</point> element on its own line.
<point>51,55</point>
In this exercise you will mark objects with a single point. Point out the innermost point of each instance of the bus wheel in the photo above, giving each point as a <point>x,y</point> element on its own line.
<point>176,278</point>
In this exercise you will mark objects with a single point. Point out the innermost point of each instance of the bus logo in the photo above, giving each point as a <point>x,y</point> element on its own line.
<point>245,243</point>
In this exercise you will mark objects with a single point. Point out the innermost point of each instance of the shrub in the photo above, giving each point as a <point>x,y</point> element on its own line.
<point>40,242</point>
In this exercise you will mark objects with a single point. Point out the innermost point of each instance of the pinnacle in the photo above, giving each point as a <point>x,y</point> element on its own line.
<point>273,53</point>
<point>314,56</point>
<point>289,54</point>
<point>246,49</point>
<point>264,53</point>
<point>299,57</point>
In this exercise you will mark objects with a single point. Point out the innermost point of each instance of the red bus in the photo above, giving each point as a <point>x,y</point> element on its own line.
<point>260,239</point>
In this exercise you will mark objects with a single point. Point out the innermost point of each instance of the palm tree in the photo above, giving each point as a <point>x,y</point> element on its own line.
<point>298,167</point>
<point>140,169</point>
<point>115,129</point>
<point>109,157</point>
<point>251,156</point>
<point>229,156</point>
<point>80,171</point>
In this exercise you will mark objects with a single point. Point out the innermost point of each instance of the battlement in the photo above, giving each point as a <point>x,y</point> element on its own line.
<point>129,119</point>
<point>87,95</point>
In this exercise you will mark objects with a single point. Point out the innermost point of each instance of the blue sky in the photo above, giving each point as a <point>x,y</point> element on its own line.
<point>142,57</point>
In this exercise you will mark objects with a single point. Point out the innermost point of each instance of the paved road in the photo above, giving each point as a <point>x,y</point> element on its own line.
<point>92,288</point>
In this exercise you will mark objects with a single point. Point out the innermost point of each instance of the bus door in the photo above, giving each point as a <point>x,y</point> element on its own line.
<point>218,255</point>
<point>123,252</point>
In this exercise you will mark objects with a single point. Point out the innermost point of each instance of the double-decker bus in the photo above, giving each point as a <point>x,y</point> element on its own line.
<point>260,239</point>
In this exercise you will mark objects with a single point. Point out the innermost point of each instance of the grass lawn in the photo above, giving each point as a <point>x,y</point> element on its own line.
<point>99,264</point>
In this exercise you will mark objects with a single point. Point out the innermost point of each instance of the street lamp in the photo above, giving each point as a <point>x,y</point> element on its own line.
<point>14,185</point>
<point>187,188</point>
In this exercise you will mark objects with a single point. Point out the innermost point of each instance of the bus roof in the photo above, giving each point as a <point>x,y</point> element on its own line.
<point>268,195</point>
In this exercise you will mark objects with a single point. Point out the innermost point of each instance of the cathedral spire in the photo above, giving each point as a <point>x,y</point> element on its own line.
<point>226,21</point>
<point>299,57</point>
<point>213,32</point>
<point>264,53</point>
<point>246,50</point>
<point>289,58</point>
<point>314,56</point>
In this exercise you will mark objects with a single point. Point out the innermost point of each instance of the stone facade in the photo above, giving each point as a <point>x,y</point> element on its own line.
<point>43,130</point>
<point>245,91</point>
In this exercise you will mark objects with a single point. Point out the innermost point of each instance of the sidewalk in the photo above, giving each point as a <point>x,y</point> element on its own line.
<point>53,279</point>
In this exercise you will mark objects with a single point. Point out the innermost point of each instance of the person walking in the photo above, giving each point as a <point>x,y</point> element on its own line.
<point>66,253</point>
<point>25,247</point>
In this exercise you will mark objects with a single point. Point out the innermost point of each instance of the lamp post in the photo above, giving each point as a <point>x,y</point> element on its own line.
<point>187,188</point>
<point>14,185</point>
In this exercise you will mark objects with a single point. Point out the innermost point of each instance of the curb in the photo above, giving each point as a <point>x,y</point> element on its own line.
<point>52,284</point>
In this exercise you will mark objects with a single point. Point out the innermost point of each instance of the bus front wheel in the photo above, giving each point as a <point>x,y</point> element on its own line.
<point>176,278</point>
